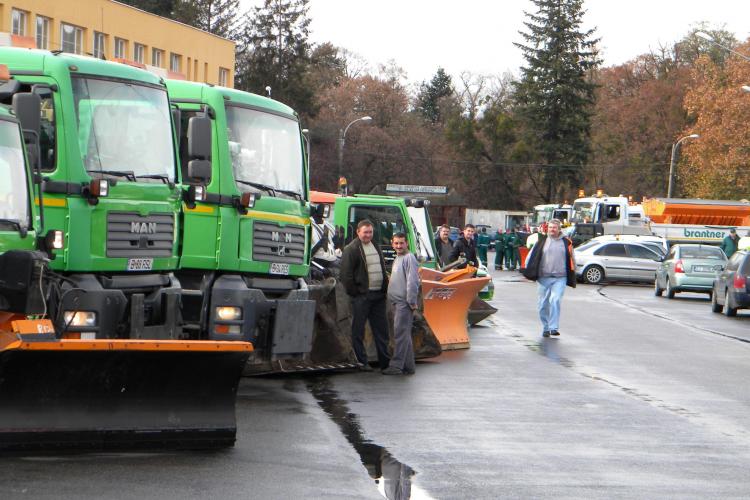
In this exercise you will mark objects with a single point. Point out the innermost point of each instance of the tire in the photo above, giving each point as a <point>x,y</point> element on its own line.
<point>593,274</point>
<point>670,291</point>
<point>657,289</point>
<point>715,306</point>
<point>729,311</point>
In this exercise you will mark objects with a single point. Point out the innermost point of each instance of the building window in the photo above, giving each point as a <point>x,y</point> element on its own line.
<point>99,46</point>
<point>174,62</point>
<point>223,77</point>
<point>121,48</point>
<point>71,38</point>
<point>156,57</point>
<point>139,53</point>
<point>42,32</point>
<point>18,25</point>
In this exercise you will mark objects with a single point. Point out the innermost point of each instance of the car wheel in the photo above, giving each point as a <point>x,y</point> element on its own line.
<point>670,291</point>
<point>657,289</point>
<point>715,306</point>
<point>593,274</point>
<point>729,311</point>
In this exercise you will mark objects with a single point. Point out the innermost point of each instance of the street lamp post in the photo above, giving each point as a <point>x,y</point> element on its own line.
<point>342,140</point>
<point>675,149</point>
<point>709,38</point>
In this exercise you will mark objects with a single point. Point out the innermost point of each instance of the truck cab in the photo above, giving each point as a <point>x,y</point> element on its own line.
<point>245,245</point>
<point>613,213</point>
<point>108,163</point>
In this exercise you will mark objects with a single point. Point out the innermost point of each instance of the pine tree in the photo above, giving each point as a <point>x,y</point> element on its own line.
<point>158,7</point>
<point>555,95</point>
<point>430,95</point>
<point>274,52</point>
<point>220,17</point>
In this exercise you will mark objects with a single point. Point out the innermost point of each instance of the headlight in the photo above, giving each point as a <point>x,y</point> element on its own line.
<point>227,313</point>
<point>80,318</point>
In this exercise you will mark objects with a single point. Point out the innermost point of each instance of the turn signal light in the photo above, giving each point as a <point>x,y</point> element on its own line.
<point>99,187</point>
<point>197,193</point>
<point>740,281</point>
<point>678,267</point>
<point>248,199</point>
<point>4,73</point>
<point>54,240</point>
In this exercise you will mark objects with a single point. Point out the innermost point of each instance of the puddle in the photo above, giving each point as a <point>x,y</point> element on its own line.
<point>392,478</point>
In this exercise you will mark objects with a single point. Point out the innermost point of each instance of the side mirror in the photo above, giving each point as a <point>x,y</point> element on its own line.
<point>199,138</point>
<point>199,170</point>
<point>27,108</point>
<point>320,210</point>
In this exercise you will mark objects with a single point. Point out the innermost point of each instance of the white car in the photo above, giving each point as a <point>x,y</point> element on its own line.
<point>597,261</point>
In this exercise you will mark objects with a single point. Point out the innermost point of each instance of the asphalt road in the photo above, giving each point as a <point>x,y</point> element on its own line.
<point>640,397</point>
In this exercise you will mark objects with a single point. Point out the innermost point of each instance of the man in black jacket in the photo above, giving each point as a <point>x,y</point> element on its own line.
<point>467,246</point>
<point>364,278</point>
<point>551,264</point>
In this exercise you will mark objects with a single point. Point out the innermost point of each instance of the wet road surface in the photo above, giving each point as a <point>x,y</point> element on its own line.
<point>640,397</point>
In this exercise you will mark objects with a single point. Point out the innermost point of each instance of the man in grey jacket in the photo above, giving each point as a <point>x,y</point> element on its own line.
<point>403,294</point>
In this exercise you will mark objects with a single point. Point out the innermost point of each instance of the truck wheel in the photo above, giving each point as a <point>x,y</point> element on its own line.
<point>715,306</point>
<point>670,291</point>
<point>593,274</point>
<point>729,311</point>
<point>657,289</point>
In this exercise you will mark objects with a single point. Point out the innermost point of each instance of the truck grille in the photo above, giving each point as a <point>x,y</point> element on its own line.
<point>273,243</point>
<point>132,235</point>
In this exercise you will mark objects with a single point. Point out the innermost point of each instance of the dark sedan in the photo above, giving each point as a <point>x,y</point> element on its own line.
<point>730,290</point>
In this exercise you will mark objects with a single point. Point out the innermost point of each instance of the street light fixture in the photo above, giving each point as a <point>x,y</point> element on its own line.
<point>342,140</point>
<point>709,38</point>
<point>675,149</point>
<point>746,88</point>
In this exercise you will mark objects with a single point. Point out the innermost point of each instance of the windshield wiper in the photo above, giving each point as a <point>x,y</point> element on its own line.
<point>258,185</point>
<point>162,177</point>
<point>288,192</point>
<point>22,230</point>
<point>128,174</point>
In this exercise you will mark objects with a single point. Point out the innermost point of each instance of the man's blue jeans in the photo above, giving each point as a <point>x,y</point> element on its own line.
<point>551,291</point>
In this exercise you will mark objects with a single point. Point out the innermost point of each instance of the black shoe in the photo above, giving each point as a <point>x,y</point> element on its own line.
<point>392,370</point>
<point>364,367</point>
<point>408,372</point>
<point>555,333</point>
<point>545,333</point>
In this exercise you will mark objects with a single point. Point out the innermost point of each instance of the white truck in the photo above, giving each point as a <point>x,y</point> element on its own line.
<point>495,220</point>
<point>549,211</point>
<point>676,220</point>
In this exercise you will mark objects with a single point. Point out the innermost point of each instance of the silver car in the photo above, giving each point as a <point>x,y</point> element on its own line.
<point>689,268</point>
<point>614,260</point>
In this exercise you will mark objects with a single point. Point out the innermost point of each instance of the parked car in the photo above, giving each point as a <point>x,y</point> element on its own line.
<point>689,268</point>
<point>730,288</point>
<point>597,261</point>
<point>655,243</point>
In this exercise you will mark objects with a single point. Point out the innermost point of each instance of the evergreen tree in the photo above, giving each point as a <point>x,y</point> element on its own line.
<point>555,95</point>
<point>158,7</point>
<point>431,94</point>
<point>220,17</point>
<point>274,51</point>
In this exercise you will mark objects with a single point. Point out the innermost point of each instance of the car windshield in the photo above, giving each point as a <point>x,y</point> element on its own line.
<point>266,151</point>
<point>583,211</point>
<point>124,127</point>
<point>14,197</point>
<point>702,253</point>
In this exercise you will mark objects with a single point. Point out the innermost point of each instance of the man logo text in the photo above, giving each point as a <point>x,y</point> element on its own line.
<point>143,227</point>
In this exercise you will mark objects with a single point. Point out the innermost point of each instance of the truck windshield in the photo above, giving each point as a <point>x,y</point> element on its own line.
<point>583,211</point>
<point>124,129</point>
<point>421,221</point>
<point>541,215</point>
<point>266,151</point>
<point>14,196</point>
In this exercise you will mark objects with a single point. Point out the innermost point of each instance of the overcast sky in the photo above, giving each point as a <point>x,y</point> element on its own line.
<point>478,35</point>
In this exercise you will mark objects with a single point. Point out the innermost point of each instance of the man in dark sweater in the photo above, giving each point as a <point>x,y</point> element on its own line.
<point>443,245</point>
<point>466,245</point>
<point>364,278</point>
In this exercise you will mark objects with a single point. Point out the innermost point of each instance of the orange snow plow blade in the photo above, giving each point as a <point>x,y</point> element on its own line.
<point>116,393</point>
<point>447,302</point>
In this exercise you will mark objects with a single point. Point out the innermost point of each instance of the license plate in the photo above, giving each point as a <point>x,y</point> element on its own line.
<point>140,264</point>
<point>703,269</point>
<point>279,269</point>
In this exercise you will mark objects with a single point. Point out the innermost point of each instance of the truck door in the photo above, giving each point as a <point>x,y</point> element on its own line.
<point>386,221</point>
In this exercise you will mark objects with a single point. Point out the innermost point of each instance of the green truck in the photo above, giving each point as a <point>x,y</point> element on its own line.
<point>92,349</point>
<point>246,223</point>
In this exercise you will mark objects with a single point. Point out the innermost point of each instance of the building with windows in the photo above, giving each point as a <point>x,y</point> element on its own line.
<point>113,30</point>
